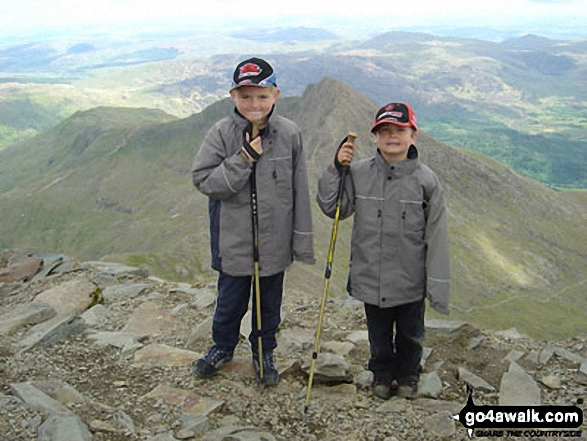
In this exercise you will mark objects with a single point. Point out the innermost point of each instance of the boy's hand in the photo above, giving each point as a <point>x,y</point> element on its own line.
<point>253,149</point>
<point>344,155</point>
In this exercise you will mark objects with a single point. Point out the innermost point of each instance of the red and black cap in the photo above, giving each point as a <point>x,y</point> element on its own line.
<point>253,72</point>
<point>399,114</point>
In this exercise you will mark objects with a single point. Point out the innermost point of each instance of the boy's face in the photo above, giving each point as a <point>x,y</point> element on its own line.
<point>254,102</point>
<point>394,141</point>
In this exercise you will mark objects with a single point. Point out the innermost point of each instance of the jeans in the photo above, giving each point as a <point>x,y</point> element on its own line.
<point>396,353</point>
<point>232,305</point>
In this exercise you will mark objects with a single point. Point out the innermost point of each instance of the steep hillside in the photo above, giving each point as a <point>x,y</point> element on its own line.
<point>115,183</point>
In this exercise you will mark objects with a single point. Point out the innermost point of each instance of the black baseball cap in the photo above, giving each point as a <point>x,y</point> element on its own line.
<point>253,72</point>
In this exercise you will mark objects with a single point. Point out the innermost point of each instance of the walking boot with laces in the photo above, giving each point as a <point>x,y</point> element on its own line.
<point>270,373</point>
<point>207,366</point>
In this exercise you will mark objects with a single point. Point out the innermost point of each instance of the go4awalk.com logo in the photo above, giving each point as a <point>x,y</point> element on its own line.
<point>520,421</point>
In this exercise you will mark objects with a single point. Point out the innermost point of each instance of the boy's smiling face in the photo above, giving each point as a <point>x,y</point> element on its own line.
<point>394,141</point>
<point>254,102</point>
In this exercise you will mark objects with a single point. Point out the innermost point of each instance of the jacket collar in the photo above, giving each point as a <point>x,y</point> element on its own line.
<point>399,169</point>
<point>241,122</point>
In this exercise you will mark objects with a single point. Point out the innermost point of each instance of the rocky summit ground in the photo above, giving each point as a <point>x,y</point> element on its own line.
<point>102,351</point>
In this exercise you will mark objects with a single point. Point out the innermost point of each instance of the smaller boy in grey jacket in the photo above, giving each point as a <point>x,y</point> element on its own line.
<point>222,169</point>
<point>399,245</point>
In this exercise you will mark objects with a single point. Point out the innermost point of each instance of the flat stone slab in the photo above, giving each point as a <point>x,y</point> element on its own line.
<point>64,427</point>
<point>581,376</point>
<point>151,320</point>
<point>430,385</point>
<point>31,313</point>
<point>234,433</point>
<point>122,340</point>
<point>518,388</point>
<point>330,368</point>
<point>161,355</point>
<point>72,297</point>
<point>118,270</point>
<point>51,331</point>
<point>190,402</point>
<point>20,269</point>
<point>474,381</point>
<point>124,292</point>
<point>37,399</point>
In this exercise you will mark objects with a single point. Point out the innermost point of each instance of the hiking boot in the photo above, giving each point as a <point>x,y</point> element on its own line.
<point>270,374</point>
<point>383,388</point>
<point>207,366</point>
<point>408,389</point>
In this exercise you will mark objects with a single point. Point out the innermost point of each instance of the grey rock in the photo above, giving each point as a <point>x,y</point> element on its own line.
<point>60,391</point>
<point>511,334</point>
<point>162,437</point>
<point>581,376</point>
<point>72,297</point>
<point>124,292</point>
<point>518,388</point>
<point>238,434</point>
<point>358,336</point>
<point>364,379</point>
<point>545,355</point>
<point>551,381</point>
<point>246,325</point>
<point>430,385</point>
<point>195,424</point>
<point>440,425</point>
<point>567,355</point>
<point>122,340</point>
<point>337,347</point>
<point>20,269</point>
<point>37,399</point>
<point>50,262</point>
<point>514,356</point>
<point>96,316</point>
<point>476,341</point>
<point>202,332</point>
<point>296,339</point>
<point>426,352</point>
<point>51,331</point>
<point>64,427</point>
<point>31,313</point>
<point>126,422</point>
<point>442,326</point>
<point>204,298</point>
<point>474,381</point>
<point>330,368</point>
<point>118,270</point>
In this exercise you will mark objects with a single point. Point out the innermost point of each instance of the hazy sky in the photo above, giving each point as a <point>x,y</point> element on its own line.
<point>18,16</point>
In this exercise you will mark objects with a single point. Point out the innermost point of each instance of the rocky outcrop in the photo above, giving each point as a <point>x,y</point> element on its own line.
<point>102,351</point>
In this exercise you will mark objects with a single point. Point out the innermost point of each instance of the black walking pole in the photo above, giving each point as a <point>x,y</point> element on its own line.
<point>350,138</point>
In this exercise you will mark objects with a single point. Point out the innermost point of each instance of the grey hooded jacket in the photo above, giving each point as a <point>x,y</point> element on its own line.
<point>221,171</point>
<point>399,246</point>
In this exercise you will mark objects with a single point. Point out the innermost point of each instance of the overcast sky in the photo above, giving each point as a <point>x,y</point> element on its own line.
<point>24,15</point>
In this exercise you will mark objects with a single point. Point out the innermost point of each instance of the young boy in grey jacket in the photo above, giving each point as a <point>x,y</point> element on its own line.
<point>253,135</point>
<point>399,245</point>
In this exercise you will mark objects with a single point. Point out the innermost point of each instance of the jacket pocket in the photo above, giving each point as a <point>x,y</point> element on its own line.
<point>282,176</point>
<point>413,218</point>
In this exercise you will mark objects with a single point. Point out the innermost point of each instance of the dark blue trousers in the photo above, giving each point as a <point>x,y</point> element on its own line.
<point>395,337</point>
<point>233,303</point>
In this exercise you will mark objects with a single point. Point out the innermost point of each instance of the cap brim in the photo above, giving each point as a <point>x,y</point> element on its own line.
<point>395,123</point>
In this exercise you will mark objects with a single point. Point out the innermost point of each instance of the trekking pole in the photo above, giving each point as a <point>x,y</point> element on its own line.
<point>350,138</point>
<point>255,222</point>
